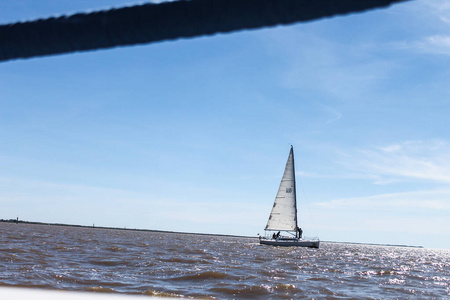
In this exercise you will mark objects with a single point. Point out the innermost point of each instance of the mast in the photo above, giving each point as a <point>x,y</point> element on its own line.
<point>295,191</point>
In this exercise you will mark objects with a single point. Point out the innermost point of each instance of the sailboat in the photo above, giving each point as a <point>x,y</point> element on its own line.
<point>283,217</point>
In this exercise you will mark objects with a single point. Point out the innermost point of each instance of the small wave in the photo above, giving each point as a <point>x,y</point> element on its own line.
<point>22,285</point>
<point>179,260</point>
<point>396,281</point>
<point>332,270</point>
<point>192,251</point>
<point>115,249</point>
<point>13,250</point>
<point>100,289</point>
<point>244,291</point>
<point>13,237</point>
<point>259,259</point>
<point>286,287</point>
<point>407,291</point>
<point>320,279</point>
<point>162,294</point>
<point>325,291</point>
<point>108,263</point>
<point>186,260</point>
<point>379,273</point>
<point>208,275</point>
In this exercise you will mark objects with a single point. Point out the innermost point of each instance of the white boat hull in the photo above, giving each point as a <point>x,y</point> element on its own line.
<point>291,243</point>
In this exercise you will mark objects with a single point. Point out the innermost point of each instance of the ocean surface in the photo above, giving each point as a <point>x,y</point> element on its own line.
<point>214,267</point>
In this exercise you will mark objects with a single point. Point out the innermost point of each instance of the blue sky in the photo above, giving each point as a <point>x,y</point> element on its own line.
<point>192,135</point>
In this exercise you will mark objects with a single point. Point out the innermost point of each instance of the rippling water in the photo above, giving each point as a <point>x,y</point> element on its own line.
<point>184,265</point>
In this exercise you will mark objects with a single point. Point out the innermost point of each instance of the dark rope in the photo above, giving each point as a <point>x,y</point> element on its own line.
<point>165,21</point>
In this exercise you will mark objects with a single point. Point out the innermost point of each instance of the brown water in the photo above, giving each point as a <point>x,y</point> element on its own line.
<point>184,265</point>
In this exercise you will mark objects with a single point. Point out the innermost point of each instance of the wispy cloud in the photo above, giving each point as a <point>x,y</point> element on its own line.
<point>334,114</point>
<point>436,17</point>
<point>410,160</point>
<point>324,65</point>
<point>421,200</point>
<point>435,44</point>
<point>411,210</point>
<point>398,218</point>
<point>440,8</point>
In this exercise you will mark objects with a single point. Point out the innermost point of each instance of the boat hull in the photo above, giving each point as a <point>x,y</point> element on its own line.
<point>290,243</point>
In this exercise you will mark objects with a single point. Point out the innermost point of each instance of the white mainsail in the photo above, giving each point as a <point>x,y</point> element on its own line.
<point>284,211</point>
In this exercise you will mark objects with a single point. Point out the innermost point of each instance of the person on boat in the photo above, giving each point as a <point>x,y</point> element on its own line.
<point>300,232</point>
<point>278,234</point>
<point>274,236</point>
